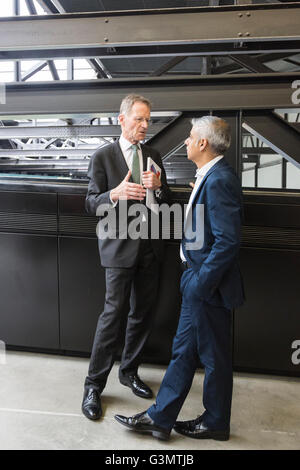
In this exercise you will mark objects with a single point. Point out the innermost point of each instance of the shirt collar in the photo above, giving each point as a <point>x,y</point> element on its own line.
<point>201,172</point>
<point>125,144</point>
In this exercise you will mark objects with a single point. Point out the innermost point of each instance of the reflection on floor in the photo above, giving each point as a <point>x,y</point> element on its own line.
<point>40,408</point>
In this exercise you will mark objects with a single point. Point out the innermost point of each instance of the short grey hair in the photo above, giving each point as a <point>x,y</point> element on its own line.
<point>215,130</point>
<point>129,101</point>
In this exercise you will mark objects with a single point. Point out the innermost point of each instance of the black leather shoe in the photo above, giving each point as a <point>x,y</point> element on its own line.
<point>198,430</point>
<point>143,423</point>
<point>91,404</point>
<point>188,425</point>
<point>138,387</point>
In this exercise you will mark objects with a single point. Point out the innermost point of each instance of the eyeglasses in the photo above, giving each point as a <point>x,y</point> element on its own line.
<point>140,120</point>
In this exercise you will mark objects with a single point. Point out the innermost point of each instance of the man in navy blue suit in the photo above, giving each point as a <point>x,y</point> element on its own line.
<point>211,286</point>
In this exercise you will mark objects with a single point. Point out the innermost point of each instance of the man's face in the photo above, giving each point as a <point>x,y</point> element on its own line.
<point>192,146</point>
<point>135,124</point>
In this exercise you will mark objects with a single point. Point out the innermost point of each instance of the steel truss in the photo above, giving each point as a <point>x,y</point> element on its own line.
<point>101,97</point>
<point>243,29</point>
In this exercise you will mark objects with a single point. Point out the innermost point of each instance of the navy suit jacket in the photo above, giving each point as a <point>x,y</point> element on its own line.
<point>216,276</point>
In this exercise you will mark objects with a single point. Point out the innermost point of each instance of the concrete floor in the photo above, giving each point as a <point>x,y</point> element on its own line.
<point>40,408</point>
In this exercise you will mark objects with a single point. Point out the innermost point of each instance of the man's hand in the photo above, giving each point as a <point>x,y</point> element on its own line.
<point>192,184</point>
<point>150,180</point>
<point>127,190</point>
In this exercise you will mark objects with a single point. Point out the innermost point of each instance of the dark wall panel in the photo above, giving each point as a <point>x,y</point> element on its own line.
<point>29,292</point>
<point>82,292</point>
<point>268,323</point>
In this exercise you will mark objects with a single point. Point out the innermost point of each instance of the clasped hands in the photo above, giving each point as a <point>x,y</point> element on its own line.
<point>128,190</point>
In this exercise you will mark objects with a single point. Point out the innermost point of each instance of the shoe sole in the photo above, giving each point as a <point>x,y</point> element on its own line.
<point>215,437</point>
<point>158,434</point>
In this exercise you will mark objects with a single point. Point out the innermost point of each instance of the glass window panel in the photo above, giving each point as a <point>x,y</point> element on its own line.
<point>63,74</point>
<point>43,75</point>
<point>26,65</point>
<point>61,64</point>
<point>6,8</point>
<point>292,176</point>
<point>179,170</point>
<point>248,175</point>
<point>262,168</point>
<point>84,74</point>
<point>270,172</point>
<point>23,8</point>
<point>7,77</point>
<point>39,9</point>
<point>80,64</point>
<point>7,66</point>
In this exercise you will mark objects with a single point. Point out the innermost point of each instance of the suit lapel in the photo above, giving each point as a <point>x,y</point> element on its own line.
<point>122,165</point>
<point>122,162</point>
<point>145,155</point>
<point>218,165</point>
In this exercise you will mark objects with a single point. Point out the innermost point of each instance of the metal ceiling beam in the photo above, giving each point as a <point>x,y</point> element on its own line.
<point>261,58</point>
<point>251,64</point>
<point>16,7</point>
<point>206,66</point>
<point>167,66</point>
<point>99,68</point>
<point>47,6</point>
<point>190,49</point>
<point>50,63</point>
<point>275,132</point>
<point>59,6</point>
<point>257,151</point>
<point>36,68</point>
<point>66,132</point>
<point>53,69</point>
<point>104,69</point>
<point>101,97</point>
<point>240,29</point>
<point>31,7</point>
<point>293,62</point>
<point>51,152</point>
<point>169,139</point>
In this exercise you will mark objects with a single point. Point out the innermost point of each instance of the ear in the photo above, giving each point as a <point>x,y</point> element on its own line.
<point>203,143</point>
<point>121,118</point>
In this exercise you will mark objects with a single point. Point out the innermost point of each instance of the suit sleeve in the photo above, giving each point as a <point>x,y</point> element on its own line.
<point>224,215</point>
<point>97,189</point>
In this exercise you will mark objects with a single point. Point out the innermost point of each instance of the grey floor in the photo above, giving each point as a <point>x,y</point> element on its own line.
<point>40,401</point>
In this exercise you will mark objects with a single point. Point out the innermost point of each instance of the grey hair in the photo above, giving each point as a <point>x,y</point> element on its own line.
<point>215,130</point>
<point>129,101</point>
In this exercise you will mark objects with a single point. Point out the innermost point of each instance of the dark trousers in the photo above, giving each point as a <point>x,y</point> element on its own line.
<point>203,335</point>
<point>130,292</point>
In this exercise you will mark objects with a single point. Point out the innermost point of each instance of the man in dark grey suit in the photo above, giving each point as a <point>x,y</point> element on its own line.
<point>117,175</point>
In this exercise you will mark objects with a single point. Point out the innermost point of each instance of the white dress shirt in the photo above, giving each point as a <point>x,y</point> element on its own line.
<point>200,173</point>
<point>127,152</point>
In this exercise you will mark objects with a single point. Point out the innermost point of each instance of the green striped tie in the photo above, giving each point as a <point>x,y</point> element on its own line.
<point>135,171</point>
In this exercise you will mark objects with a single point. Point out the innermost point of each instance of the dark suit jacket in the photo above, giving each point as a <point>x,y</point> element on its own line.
<point>217,278</point>
<point>106,171</point>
